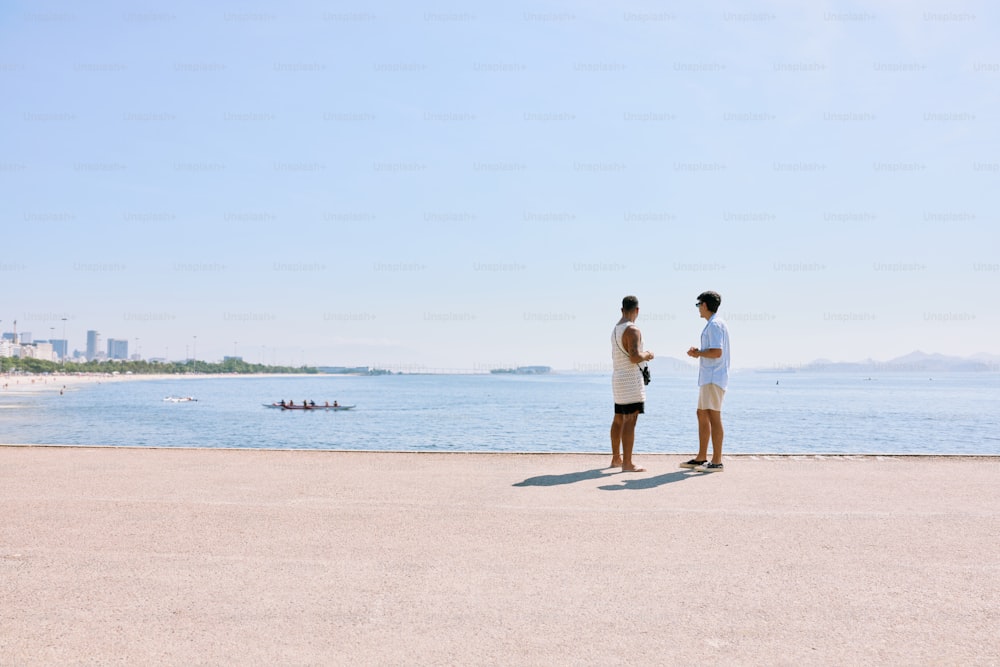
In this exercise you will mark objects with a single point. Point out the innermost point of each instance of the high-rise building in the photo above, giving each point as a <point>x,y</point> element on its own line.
<point>117,349</point>
<point>40,349</point>
<point>60,346</point>
<point>93,342</point>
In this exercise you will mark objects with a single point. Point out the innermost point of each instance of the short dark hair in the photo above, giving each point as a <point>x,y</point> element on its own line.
<point>630,303</point>
<point>712,300</point>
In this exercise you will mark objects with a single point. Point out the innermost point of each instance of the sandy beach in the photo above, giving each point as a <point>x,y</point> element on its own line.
<point>18,385</point>
<point>157,556</point>
<point>12,385</point>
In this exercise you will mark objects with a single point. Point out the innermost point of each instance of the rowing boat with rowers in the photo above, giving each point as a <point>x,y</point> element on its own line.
<point>309,406</point>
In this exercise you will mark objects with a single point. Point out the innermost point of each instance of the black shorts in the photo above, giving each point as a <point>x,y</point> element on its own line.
<point>630,408</point>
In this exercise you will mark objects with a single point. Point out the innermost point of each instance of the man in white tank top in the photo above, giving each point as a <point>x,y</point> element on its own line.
<point>627,385</point>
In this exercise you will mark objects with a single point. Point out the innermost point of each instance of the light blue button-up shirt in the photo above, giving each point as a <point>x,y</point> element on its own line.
<point>715,335</point>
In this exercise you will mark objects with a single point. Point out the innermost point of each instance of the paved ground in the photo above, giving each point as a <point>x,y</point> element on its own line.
<point>180,557</point>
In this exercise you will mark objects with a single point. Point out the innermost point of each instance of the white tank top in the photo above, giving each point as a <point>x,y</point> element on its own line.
<point>626,379</point>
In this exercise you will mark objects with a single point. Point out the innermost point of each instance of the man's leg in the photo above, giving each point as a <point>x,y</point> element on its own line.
<point>704,432</point>
<point>628,440</point>
<point>715,424</point>
<point>616,441</point>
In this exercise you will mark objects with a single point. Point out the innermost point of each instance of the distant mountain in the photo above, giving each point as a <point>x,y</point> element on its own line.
<point>914,362</point>
<point>659,366</point>
<point>523,370</point>
<point>667,364</point>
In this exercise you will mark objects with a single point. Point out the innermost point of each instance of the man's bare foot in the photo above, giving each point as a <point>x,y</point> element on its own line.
<point>633,469</point>
<point>616,463</point>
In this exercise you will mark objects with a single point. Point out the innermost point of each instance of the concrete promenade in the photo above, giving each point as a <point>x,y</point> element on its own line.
<point>224,557</point>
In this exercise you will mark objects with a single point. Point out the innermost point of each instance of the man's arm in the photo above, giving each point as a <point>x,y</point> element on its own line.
<point>714,335</point>
<point>630,341</point>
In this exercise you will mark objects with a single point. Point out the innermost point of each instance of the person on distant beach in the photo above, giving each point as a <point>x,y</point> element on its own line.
<point>713,378</point>
<point>627,384</point>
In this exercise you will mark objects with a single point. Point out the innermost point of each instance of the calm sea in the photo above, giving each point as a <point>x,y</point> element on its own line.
<point>764,413</point>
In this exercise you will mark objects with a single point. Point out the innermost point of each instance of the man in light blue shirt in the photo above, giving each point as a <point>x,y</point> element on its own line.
<point>713,378</point>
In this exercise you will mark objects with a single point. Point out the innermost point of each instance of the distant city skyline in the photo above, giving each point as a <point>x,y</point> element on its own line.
<point>97,346</point>
<point>912,361</point>
<point>446,186</point>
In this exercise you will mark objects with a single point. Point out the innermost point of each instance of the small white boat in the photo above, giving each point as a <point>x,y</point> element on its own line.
<point>179,399</point>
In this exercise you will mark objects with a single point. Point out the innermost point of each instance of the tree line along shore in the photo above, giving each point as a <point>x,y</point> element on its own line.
<point>229,366</point>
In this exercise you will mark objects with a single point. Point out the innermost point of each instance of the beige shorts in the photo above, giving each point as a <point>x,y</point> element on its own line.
<point>710,397</point>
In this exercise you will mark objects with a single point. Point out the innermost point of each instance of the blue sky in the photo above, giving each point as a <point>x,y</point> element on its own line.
<point>449,185</point>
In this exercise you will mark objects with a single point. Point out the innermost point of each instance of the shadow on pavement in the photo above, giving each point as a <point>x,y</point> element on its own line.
<point>568,478</point>
<point>650,482</point>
